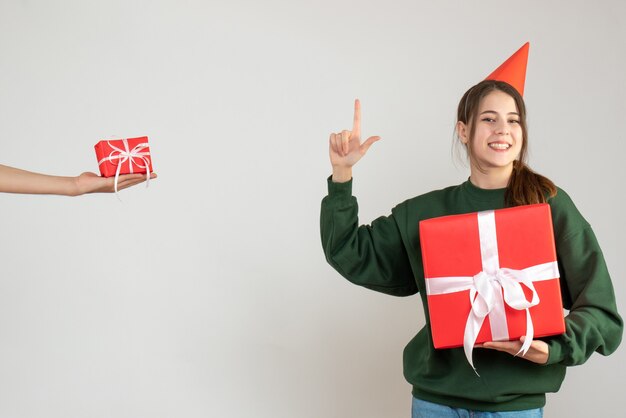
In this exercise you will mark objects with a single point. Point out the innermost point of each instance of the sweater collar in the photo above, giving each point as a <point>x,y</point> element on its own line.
<point>495,196</point>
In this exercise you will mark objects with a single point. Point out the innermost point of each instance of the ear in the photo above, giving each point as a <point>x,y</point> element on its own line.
<point>462,132</point>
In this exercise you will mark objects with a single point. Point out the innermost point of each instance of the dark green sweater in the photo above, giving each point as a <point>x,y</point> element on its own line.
<point>385,256</point>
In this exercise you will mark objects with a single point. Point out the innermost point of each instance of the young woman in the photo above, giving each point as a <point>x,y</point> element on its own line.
<point>385,256</point>
<point>14,180</point>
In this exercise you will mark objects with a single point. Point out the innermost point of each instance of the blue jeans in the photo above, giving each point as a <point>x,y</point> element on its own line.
<point>423,409</point>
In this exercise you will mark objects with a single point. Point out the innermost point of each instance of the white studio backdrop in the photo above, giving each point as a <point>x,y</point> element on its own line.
<point>207,294</point>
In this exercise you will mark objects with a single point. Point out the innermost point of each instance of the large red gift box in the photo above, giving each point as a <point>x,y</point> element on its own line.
<point>491,276</point>
<point>124,156</point>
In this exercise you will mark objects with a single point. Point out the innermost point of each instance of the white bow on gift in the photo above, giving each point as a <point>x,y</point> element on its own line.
<point>119,156</point>
<point>491,288</point>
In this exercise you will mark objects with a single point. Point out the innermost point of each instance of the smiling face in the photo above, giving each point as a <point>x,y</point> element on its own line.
<point>495,134</point>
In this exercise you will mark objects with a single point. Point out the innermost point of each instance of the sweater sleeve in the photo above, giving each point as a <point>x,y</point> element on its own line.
<point>593,323</point>
<point>372,256</point>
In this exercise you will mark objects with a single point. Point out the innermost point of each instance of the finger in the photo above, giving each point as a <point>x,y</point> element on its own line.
<point>129,177</point>
<point>511,347</point>
<point>153,175</point>
<point>129,180</point>
<point>139,178</point>
<point>337,145</point>
<point>129,184</point>
<point>356,127</point>
<point>368,143</point>
<point>331,143</point>
<point>501,344</point>
<point>345,141</point>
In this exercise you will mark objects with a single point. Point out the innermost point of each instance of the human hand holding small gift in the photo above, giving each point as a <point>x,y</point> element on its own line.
<point>92,183</point>
<point>124,156</point>
<point>15,180</point>
<point>120,167</point>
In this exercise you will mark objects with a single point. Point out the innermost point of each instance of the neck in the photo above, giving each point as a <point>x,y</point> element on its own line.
<point>491,178</point>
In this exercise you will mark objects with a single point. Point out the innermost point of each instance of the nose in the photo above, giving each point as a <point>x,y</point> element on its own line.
<point>502,128</point>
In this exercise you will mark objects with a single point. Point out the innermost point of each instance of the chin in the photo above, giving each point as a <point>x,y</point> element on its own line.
<point>497,165</point>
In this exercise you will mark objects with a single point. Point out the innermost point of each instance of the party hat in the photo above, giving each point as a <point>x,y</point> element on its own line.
<point>513,70</point>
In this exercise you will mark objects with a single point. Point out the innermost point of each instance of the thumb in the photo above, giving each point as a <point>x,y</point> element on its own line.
<point>368,143</point>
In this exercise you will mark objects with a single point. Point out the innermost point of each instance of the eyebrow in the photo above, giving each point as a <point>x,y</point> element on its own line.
<point>493,111</point>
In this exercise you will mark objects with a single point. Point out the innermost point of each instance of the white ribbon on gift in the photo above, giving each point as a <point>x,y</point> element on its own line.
<point>119,156</point>
<point>487,289</point>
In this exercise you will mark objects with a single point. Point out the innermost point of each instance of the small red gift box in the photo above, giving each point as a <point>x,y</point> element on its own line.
<point>124,156</point>
<point>491,276</point>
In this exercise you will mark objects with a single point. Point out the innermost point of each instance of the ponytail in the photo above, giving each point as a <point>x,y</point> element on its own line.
<point>527,187</point>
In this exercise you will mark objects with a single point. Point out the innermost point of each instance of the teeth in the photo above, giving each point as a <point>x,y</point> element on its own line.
<point>499,146</point>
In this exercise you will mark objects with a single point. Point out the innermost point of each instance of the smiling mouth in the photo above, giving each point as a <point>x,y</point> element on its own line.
<point>499,145</point>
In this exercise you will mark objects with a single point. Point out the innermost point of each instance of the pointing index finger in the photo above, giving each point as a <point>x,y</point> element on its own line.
<point>356,129</point>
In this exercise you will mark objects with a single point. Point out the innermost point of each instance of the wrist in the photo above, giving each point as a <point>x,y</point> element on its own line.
<point>72,187</point>
<point>342,174</point>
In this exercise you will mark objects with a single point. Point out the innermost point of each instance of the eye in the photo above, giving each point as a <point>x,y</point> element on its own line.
<point>514,121</point>
<point>488,120</point>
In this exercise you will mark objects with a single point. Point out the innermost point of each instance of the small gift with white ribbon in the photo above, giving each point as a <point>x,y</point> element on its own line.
<point>491,276</point>
<point>124,156</point>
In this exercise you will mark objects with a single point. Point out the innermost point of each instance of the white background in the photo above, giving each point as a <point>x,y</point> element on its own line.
<point>207,294</point>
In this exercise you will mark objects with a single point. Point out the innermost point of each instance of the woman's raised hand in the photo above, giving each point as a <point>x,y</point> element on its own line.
<point>346,148</point>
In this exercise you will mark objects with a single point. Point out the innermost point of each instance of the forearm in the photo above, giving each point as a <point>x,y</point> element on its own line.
<point>369,255</point>
<point>593,323</point>
<point>588,330</point>
<point>15,180</point>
